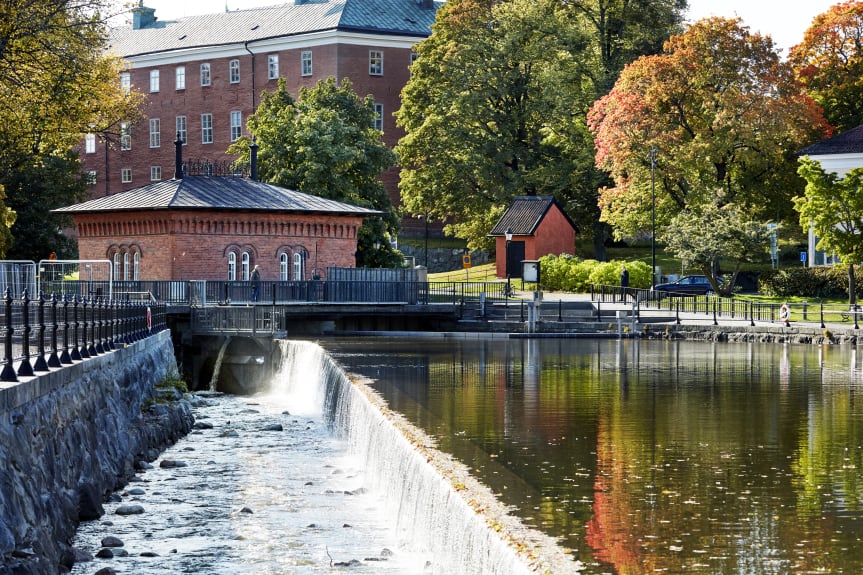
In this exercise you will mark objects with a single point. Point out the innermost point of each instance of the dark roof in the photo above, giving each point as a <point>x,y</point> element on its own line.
<point>849,142</point>
<point>215,193</point>
<point>394,17</point>
<point>524,215</point>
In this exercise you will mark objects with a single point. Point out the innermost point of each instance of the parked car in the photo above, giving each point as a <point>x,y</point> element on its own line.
<point>688,285</point>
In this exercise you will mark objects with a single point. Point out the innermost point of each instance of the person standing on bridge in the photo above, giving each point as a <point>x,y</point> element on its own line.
<point>256,284</point>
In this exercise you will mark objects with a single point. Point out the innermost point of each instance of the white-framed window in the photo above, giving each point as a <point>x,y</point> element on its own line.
<point>306,62</point>
<point>91,177</point>
<point>205,74</point>
<point>206,128</point>
<point>125,136</point>
<point>234,71</point>
<point>90,144</point>
<point>272,66</point>
<point>155,173</point>
<point>376,63</point>
<point>283,267</point>
<point>155,133</point>
<point>245,261</point>
<point>136,265</point>
<point>299,266</point>
<point>126,82</point>
<point>126,175</point>
<point>236,125</point>
<point>232,266</point>
<point>180,77</point>
<point>378,123</point>
<point>116,265</point>
<point>182,132</point>
<point>154,80</point>
<point>126,266</point>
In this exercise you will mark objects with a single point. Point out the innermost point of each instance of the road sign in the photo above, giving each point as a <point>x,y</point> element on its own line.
<point>465,261</point>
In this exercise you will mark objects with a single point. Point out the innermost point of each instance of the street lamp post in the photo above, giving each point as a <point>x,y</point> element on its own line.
<point>508,236</point>
<point>653,217</point>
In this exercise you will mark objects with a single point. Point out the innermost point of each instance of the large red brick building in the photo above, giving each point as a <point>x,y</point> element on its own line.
<point>203,75</point>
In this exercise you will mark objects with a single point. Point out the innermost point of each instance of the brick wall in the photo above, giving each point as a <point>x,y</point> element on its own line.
<point>184,245</point>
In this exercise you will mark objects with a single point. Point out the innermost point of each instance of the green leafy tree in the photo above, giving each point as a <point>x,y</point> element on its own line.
<point>833,208</point>
<point>495,107</point>
<point>56,84</point>
<point>726,118</point>
<point>704,235</point>
<point>829,63</point>
<point>324,144</point>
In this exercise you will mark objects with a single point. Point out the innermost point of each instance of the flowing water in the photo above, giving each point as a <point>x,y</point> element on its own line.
<point>337,487</point>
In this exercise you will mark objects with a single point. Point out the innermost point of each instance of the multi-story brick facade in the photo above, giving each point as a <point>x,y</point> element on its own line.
<point>202,76</point>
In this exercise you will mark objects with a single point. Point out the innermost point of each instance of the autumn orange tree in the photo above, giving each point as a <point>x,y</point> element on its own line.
<point>726,118</point>
<point>829,63</point>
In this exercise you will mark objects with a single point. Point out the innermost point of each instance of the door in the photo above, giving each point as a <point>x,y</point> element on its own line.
<point>514,255</point>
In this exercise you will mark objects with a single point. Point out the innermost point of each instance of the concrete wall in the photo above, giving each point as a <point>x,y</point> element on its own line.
<point>70,437</point>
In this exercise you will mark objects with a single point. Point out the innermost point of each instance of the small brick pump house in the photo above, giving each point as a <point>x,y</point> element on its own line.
<point>217,228</point>
<point>538,227</point>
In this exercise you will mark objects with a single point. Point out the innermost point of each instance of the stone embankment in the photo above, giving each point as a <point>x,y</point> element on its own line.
<point>758,333</point>
<point>70,437</point>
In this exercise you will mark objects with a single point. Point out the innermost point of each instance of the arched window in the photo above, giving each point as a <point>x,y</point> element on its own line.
<point>136,265</point>
<point>283,267</point>
<point>245,257</point>
<point>126,266</point>
<point>232,266</point>
<point>116,265</point>
<point>299,266</point>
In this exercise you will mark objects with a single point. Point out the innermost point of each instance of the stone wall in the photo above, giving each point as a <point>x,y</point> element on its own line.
<point>70,437</point>
<point>442,259</point>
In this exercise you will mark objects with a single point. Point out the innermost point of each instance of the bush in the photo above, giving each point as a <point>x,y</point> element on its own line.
<point>569,273</point>
<point>820,282</point>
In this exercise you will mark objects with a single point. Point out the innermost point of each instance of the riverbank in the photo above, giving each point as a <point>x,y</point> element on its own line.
<point>70,437</point>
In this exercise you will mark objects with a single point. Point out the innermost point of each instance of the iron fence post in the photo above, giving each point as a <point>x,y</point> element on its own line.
<point>54,359</point>
<point>76,325</point>
<point>98,325</point>
<point>64,356</point>
<point>8,373</point>
<point>751,314</point>
<point>822,314</point>
<point>677,311</point>
<point>714,313</point>
<point>25,369</point>
<point>41,364</point>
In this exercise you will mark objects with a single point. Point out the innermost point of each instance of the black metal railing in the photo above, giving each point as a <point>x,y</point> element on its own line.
<point>52,330</point>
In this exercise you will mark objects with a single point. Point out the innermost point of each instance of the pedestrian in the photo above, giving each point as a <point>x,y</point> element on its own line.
<point>256,284</point>
<point>624,283</point>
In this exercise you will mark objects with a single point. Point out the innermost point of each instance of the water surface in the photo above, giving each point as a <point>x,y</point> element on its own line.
<point>649,456</point>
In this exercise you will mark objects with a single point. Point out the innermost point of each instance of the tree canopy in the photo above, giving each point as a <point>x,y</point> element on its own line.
<point>829,63</point>
<point>324,143</point>
<point>495,107</point>
<point>56,84</point>
<point>833,208</point>
<point>726,117</point>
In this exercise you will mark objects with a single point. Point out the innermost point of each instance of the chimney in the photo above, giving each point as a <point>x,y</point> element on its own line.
<point>178,158</point>
<point>142,16</point>
<point>253,161</point>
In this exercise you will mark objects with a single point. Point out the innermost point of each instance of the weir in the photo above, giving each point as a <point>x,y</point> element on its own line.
<point>435,502</point>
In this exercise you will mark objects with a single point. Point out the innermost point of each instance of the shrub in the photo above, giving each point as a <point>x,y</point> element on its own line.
<point>820,282</point>
<point>568,273</point>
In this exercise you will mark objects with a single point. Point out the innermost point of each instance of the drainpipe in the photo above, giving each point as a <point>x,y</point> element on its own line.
<point>252,54</point>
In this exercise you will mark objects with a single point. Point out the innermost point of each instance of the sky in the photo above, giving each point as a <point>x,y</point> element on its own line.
<point>784,20</point>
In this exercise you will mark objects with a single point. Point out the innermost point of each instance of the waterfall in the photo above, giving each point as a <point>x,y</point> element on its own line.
<point>214,381</point>
<point>435,503</point>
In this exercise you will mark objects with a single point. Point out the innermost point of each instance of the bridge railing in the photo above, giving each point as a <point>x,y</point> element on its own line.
<point>53,330</point>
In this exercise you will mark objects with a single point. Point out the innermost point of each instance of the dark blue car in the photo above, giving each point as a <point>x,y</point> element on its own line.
<point>688,285</point>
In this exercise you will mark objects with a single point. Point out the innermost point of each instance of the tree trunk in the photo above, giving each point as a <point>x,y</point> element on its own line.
<point>600,234</point>
<point>852,286</point>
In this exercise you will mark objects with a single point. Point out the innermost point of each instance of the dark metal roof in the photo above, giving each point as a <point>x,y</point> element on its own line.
<point>215,193</point>
<point>849,142</point>
<point>524,215</point>
<point>395,17</point>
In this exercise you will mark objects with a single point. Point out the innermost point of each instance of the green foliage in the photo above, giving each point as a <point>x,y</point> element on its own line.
<point>495,105</point>
<point>56,84</point>
<point>819,282</point>
<point>833,207</point>
<point>324,144</point>
<point>569,273</point>
<point>173,381</point>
